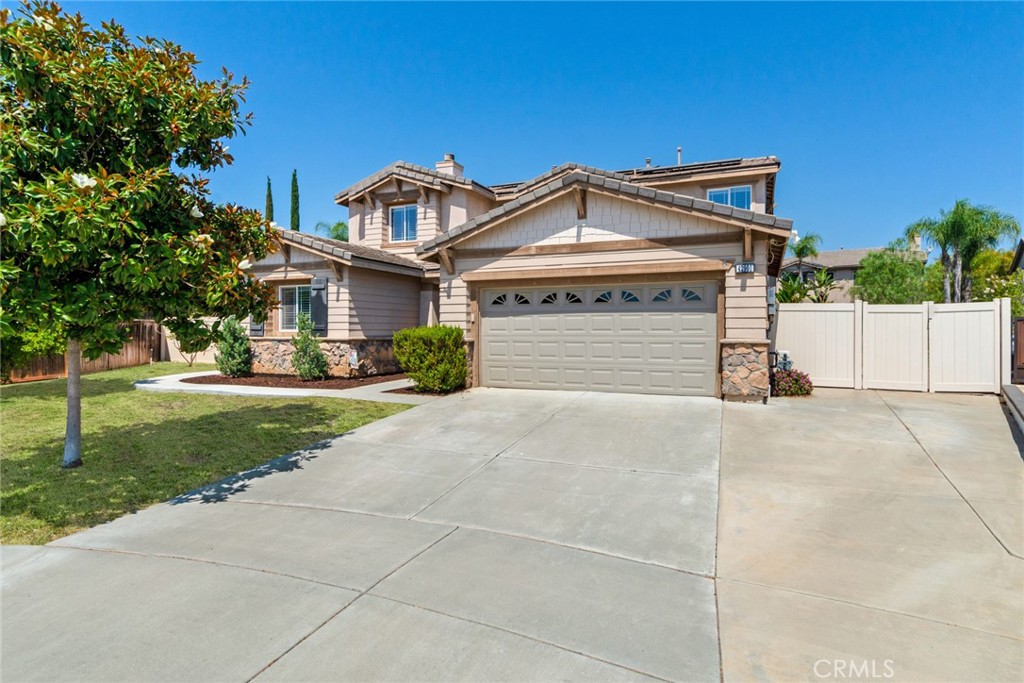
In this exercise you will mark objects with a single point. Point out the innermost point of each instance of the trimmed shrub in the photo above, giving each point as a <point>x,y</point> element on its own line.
<point>791,383</point>
<point>233,357</point>
<point>309,361</point>
<point>434,357</point>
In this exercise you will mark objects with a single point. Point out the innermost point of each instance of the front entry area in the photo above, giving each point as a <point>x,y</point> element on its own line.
<point>650,338</point>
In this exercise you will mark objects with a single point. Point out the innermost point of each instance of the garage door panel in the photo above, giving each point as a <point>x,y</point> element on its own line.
<point>635,338</point>
<point>602,323</point>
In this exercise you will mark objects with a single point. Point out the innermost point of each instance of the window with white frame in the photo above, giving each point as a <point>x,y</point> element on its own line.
<point>294,300</point>
<point>738,196</point>
<point>403,223</point>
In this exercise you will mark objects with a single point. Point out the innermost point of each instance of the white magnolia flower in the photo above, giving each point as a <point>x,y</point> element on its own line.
<point>45,23</point>
<point>195,212</point>
<point>83,180</point>
<point>3,221</point>
<point>244,264</point>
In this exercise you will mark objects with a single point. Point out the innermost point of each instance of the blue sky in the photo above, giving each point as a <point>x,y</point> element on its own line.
<point>880,113</point>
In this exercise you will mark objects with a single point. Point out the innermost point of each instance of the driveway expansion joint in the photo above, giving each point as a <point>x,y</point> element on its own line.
<point>520,635</point>
<point>950,481</point>
<point>347,605</point>
<point>873,608</point>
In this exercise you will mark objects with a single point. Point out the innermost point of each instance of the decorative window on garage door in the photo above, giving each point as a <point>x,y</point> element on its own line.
<point>631,297</point>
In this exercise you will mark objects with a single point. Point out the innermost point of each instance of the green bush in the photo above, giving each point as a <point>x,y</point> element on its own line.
<point>17,350</point>
<point>233,357</point>
<point>433,357</point>
<point>791,383</point>
<point>307,358</point>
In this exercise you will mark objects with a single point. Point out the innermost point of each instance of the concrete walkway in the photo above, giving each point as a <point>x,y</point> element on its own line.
<point>370,392</point>
<point>515,535</point>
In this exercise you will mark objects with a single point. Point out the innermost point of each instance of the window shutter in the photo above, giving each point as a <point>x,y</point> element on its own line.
<point>255,328</point>
<point>318,306</point>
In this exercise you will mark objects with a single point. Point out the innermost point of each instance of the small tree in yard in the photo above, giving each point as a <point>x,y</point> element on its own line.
<point>234,356</point>
<point>894,275</point>
<point>434,357</point>
<point>295,200</point>
<point>308,359</point>
<point>105,216</point>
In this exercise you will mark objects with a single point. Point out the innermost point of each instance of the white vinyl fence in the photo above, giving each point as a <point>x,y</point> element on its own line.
<point>922,347</point>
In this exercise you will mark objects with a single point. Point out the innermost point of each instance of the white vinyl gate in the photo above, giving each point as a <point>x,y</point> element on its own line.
<point>921,347</point>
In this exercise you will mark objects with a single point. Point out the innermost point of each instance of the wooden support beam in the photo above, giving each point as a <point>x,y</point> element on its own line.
<point>368,200</point>
<point>637,269</point>
<point>730,237</point>
<point>398,185</point>
<point>748,245</point>
<point>424,197</point>
<point>446,260</point>
<point>338,269</point>
<point>286,251</point>
<point>580,195</point>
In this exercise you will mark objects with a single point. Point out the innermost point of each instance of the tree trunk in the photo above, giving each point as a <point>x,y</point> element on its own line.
<point>73,434</point>
<point>946,265</point>
<point>958,277</point>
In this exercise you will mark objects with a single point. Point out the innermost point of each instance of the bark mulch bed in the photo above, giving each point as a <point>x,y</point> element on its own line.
<point>293,382</point>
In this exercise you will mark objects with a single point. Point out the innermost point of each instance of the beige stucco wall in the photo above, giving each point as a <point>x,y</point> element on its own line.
<point>607,219</point>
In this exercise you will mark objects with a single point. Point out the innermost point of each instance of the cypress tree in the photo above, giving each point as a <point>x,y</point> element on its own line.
<point>269,212</point>
<point>295,200</point>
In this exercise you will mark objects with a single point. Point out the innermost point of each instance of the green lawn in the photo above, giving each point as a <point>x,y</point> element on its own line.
<point>142,447</point>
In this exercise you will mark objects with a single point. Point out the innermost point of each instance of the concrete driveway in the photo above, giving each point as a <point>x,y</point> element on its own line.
<point>513,535</point>
<point>496,535</point>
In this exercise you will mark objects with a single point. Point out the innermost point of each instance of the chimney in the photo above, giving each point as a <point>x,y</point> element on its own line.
<point>679,156</point>
<point>917,242</point>
<point>449,166</point>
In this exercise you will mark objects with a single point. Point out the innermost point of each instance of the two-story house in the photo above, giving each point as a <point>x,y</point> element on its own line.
<point>650,280</point>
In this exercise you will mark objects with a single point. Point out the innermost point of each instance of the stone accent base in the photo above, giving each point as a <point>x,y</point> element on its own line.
<point>744,370</point>
<point>376,357</point>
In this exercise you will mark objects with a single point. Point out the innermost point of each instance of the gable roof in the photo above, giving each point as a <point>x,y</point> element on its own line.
<point>420,175</point>
<point>352,254</point>
<point>651,175</point>
<point>612,183</point>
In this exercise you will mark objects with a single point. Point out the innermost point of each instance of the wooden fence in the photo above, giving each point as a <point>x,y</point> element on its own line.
<point>145,346</point>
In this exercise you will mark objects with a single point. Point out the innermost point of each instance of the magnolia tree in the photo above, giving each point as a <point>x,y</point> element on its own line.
<point>106,216</point>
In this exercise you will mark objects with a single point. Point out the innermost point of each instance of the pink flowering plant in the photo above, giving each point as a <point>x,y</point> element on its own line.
<point>791,383</point>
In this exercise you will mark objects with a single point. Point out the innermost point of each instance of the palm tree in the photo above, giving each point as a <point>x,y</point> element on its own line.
<point>805,248</point>
<point>336,231</point>
<point>960,234</point>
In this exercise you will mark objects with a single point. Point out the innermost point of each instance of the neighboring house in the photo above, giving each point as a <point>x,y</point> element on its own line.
<point>579,278</point>
<point>842,264</point>
<point>1018,257</point>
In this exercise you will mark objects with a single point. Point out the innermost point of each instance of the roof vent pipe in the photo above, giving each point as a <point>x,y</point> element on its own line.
<point>647,161</point>
<point>679,156</point>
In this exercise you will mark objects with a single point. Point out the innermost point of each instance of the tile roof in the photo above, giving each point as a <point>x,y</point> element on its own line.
<point>614,182</point>
<point>414,173</point>
<point>346,250</point>
<point>644,174</point>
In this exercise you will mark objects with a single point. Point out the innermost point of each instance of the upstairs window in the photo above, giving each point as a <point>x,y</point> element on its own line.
<point>403,223</point>
<point>738,196</point>
<point>294,300</point>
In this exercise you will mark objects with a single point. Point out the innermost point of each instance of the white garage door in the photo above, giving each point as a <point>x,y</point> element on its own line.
<point>650,338</point>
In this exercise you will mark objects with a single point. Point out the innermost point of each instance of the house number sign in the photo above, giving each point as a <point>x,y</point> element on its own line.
<point>745,267</point>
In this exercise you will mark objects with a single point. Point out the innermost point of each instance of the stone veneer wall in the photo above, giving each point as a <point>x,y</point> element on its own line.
<point>376,357</point>
<point>744,370</point>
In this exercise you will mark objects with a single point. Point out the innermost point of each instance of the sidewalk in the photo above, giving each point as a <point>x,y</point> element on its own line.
<point>371,392</point>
